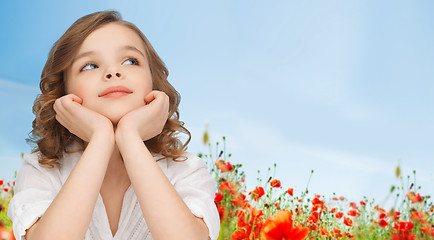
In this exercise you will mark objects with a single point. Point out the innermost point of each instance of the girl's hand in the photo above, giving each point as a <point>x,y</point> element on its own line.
<point>147,121</point>
<point>79,120</point>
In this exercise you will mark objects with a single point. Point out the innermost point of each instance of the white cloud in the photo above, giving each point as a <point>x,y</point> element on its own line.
<point>15,122</point>
<point>11,86</point>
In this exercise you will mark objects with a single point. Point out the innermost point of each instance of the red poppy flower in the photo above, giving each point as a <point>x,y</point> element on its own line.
<point>383,223</point>
<point>348,222</point>
<point>405,226</point>
<point>324,232</point>
<point>224,166</point>
<point>239,235</point>
<point>280,226</point>
<point>348,234</point>
<point>336,233</point>
<point>362,203</point>
<point>218,197</point>
<point>313,217</point>
<point>427,229</point>
<point>291,191</point>
<point>353,213</point>
<point>403,231</point>
<point>6,189</point>
<point>417,216</point>
<point>354,205</point>
<point>239,200</point>
<point>316,207</point>
<point>251,221</point>
<point>276,183</point>
<point>229,187</point>
<point>221,210</point>
<point>241,215</point>
<point>1,182</point>
<point>317,201</point>
<point>339,215</point>
<point>257,193</point>
<point>414,197</point>
<point>314,227</point>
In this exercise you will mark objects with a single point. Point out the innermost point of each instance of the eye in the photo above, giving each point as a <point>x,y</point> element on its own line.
<point>88,66</point>
<point>131,61</point>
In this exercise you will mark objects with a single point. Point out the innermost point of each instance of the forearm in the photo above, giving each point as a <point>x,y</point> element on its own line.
<point>160,203</point>
<point>69,215</point>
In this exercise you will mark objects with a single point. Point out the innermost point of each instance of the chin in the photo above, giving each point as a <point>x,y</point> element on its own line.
<point>114,115</point>
<point>116,112</point>
<point>115,118</point>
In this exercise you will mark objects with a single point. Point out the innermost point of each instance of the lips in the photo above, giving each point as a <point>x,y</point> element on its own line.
<point>114,90</point>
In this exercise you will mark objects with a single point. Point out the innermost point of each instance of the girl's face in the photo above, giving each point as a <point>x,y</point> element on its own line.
<point>110,72</point>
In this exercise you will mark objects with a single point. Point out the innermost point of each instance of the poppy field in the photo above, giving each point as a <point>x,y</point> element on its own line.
<point>271,211</point>
<point>6,193</point>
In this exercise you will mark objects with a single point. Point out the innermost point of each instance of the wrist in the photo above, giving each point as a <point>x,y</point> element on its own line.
<point>123,135</point>
<point>104,134</point>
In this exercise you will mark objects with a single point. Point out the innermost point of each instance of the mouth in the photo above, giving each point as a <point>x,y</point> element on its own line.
<point>116,91</point>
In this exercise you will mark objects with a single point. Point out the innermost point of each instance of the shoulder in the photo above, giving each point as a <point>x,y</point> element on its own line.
<point>32,173</point>
<point>32,159</point>
<point>188,161</point>
<point>68,158</point>
<point>188,164</point>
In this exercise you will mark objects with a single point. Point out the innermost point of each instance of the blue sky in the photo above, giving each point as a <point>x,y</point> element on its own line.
<point>341,87</point>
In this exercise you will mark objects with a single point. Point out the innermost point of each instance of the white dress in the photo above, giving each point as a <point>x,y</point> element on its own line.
<point>36,187</point>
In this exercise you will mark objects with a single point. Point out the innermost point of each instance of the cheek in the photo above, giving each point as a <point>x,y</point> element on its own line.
<point>146,84</point>
<point>82,91</point>
<point>149,87</point>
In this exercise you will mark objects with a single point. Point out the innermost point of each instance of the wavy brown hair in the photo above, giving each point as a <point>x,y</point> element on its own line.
<point>52,139</point>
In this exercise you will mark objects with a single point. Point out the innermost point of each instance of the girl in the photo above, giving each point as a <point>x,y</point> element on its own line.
<point>108,164</point>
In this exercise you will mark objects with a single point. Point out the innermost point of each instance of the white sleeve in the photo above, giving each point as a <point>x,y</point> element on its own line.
<point>197,188</point>
<point>33,195</point>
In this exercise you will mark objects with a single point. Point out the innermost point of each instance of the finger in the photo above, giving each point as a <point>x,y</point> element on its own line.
<point>151,96</point>
<point>72,103</point>
<point>72,98</point>
<point>62,107</point>
<point>56,105</point>
<point>75,98</point>
<point>60,119</point>
<point>59,107</point>
<point>154,95</point>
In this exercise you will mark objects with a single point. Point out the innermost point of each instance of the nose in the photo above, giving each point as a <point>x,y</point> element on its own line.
<point>109,76</point>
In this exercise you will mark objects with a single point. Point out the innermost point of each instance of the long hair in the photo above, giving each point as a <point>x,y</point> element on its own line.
<point>52,139</point>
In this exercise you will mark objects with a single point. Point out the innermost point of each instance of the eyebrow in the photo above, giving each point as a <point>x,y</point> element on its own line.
<point>89,53</point>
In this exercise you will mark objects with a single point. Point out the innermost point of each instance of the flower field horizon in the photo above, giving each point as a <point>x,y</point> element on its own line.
<point>270,212</point>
